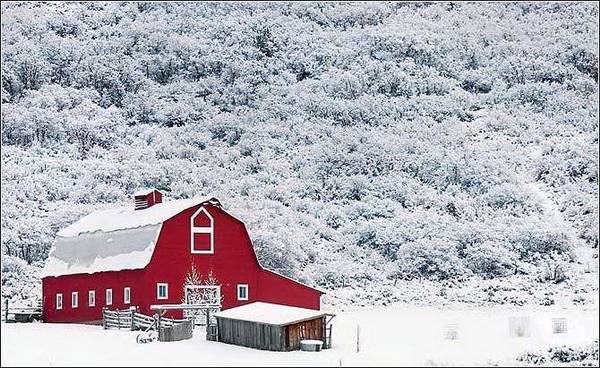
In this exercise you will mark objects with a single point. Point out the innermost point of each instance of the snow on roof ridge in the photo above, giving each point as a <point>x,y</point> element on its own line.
<point>270,313</point>
<point>127,217</point>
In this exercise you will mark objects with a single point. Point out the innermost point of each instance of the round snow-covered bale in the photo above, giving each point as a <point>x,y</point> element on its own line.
<point>311,345</point>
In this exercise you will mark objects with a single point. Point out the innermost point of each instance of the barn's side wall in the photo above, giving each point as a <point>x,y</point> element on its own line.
<point>277,289</point>
<point>83,283</point>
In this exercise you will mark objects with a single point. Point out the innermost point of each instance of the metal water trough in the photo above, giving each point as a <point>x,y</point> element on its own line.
<point>311,345</point>
<point>176,332</point>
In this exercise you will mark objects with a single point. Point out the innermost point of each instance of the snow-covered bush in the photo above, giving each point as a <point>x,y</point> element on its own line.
<point>13,265</point>
<point>21,284</point>
<point>430,259</point>
<point>490,259</point>
<point>586,355</point>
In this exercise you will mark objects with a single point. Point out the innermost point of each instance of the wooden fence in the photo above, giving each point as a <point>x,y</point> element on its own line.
<point>131,319</point>
<point>21,314</point>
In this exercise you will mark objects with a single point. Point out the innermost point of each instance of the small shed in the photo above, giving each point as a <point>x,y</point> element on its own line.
<point>272,327</point>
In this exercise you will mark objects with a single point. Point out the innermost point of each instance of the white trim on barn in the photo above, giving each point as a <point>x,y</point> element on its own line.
<point>126,295</point>
<point>202,230</point>
<point>59,301</point>
<point>74,299</point>
<point>109,296</point>
<point>158,293</point>
<point>91,298</point>
<point>246,290</point>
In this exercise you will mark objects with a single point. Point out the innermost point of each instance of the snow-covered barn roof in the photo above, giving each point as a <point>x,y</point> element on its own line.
<point>271,314</point>
<point>143,191</point>
<point>129,218</point>
<point>113,239</point>
<point>102,251</point>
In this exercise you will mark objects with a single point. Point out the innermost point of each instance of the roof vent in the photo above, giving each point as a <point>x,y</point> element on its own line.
<point>145,198</point>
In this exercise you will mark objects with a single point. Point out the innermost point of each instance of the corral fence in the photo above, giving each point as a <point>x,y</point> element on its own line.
<point>133,320</point>
<point>21,314</point>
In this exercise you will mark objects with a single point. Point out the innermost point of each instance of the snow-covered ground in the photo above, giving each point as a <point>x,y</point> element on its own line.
<point>396,335</point>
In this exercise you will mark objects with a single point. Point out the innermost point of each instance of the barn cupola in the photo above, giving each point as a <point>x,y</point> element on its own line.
<point>145,198</point>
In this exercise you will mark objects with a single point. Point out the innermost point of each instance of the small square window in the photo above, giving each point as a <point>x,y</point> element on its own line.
<point>92,298</point>
<point>162,291</point>
<point>74,299</point>
<point>242,292</point>
<point>108,296</point>
<point>127,295</point>
<point>58,301</point>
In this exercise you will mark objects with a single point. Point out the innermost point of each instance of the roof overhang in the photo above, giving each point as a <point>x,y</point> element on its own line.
<point>271,314</point>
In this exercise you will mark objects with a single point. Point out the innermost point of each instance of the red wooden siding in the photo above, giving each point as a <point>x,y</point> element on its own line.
<point>233,262</point>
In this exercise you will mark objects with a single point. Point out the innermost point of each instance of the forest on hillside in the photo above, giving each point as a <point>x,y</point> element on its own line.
<point>362,143</point>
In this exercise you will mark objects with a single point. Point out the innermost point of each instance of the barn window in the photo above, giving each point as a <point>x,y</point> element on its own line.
<point>108,296</point>
<point>92,298</point>
<point>242,292</point>
<point>58,301</point>
<point>202,232</point>
<point>162,291</point>
<point>127,295</point>
<point>74,299</point>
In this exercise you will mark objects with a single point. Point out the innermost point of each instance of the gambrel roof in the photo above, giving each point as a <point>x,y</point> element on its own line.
<point>113,239</point>
<point>129,218</point>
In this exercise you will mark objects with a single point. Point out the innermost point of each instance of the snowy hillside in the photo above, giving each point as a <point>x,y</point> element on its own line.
<point>382,151</point>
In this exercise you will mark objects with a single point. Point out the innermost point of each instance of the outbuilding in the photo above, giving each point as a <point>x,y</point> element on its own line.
<point>274,327</point>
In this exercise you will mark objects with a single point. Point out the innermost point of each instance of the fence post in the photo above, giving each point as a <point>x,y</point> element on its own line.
<point>132,312</point>
<point>118,319</point>
<point>104,317</point>
<point>358,338</point>
<point>6,310</point>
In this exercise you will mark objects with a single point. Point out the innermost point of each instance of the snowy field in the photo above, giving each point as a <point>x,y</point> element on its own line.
<point>397,335</point>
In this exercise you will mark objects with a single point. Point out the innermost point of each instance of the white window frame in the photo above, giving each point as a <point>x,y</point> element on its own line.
<point>126,295</point>
<point>108,293</point>
<point>91,298</point>
<point>59,300</point>
<point>202,230</point>
<point>158,285</point>
<point>240,287</point>
<point>74,299</point>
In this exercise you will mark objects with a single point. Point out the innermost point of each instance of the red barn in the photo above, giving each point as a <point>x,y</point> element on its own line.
<point>141,255</point>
